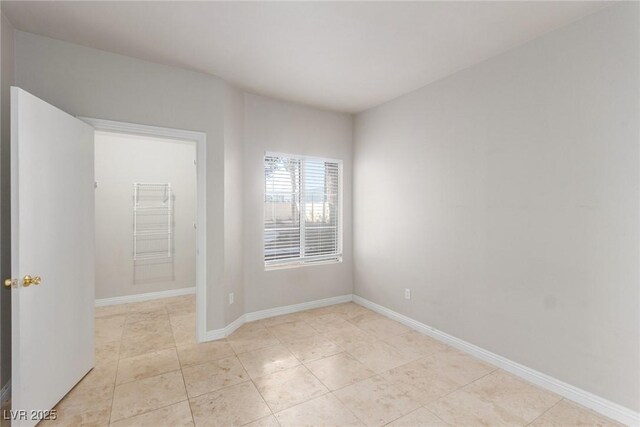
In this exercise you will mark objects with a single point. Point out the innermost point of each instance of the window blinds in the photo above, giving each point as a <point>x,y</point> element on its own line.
<point>301,210</point>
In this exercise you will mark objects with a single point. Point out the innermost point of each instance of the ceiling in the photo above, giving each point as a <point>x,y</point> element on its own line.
<point>344,56</point>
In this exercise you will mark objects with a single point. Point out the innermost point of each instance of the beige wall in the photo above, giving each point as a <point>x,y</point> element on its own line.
<point>122,160</point>
<point>276,126</point>
<point>506,197</point>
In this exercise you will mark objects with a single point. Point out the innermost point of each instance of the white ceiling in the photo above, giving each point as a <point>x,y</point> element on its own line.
<point>345,56</point>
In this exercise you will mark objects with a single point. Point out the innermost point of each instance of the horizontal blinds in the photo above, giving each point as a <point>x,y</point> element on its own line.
<point>301,209</point>
<point>282,229</point>
<point>320,208</point>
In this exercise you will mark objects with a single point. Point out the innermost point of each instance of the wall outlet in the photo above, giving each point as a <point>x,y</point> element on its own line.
<point>407,293</point>
<point>231,298</point>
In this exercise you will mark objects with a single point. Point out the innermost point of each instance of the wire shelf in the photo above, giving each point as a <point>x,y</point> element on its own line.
<point>152,221</point>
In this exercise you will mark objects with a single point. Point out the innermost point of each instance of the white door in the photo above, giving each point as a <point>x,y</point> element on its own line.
<point>52,237</point>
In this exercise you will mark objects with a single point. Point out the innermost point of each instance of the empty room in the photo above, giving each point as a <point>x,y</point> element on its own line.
<point>320,213</point>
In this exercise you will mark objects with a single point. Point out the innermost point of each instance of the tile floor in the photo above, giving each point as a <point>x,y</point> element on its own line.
<point>334,366</point>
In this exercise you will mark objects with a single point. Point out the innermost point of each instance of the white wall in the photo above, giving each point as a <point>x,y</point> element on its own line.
<point>122,160</point>
<point>233,209</point>
<point>240,128</point>
<point>277,126</point>
<point>506,197</point>
<point>93,83</point>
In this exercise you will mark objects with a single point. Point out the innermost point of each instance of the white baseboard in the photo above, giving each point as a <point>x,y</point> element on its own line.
<point>287,309</point>
<point>145,297</point>
<point>584,398</point>
<point>217,334</point>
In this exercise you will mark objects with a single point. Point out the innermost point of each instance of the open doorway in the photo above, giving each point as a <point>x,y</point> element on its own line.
<point>150,228</point>
<point>145,217</point>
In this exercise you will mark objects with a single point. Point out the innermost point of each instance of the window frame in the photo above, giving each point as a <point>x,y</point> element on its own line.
<point>302,262</point>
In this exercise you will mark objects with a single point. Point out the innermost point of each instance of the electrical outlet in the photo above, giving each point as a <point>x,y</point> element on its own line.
<point>231,298</point>
<point>407,293</point>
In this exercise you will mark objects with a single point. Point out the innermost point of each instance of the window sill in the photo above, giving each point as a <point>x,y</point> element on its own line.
<point>301,264</point>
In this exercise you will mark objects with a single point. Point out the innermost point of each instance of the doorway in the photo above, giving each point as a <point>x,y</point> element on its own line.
<point>150,215</point>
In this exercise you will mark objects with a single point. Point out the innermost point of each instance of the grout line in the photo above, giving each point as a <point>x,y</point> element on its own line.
<point>316,377</point>
<point>149,411</point>
<point>544,412</point>
<point>150,376</point>
<point>113,396</point>
<point>256,388</point>
<point>436,415</point>
<point>203,363</point>
<point>422,406</point>
<point>218,389</point>
<point>300,363</point>
<point>463,386</point>
<point>261,396</point>
<point>346,407</point>
<point>141,379</point>
<point>186,392</point>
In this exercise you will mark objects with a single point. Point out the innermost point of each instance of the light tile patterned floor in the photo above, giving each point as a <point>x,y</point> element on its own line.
<point>334,366</point>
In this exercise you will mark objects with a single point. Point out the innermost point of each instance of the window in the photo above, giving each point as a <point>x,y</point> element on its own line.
<point>302,212</point>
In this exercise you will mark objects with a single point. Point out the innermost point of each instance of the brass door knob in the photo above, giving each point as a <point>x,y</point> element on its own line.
<point>28,280</point>
<point>8,283</point>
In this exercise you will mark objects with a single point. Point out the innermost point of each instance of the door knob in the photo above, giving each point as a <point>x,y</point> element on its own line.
<point>10,282</point>
<point>28,280</point>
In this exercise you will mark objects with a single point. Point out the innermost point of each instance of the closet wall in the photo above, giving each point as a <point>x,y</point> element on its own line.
<point>163,261</point>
